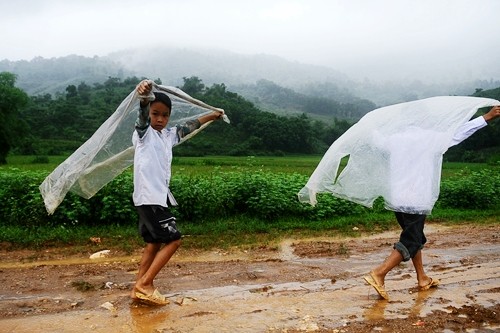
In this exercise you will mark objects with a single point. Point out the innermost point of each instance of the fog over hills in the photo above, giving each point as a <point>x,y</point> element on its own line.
<point>232,69</point>
<point>219,66</point>
<point>237,71</point>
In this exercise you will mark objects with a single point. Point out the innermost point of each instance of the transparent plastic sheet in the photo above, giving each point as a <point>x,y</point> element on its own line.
<point>110,151</point>
<point>394,152</point>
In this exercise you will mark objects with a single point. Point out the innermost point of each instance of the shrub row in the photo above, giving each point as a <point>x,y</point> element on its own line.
<point>471,190</point>
<point>208,197</point>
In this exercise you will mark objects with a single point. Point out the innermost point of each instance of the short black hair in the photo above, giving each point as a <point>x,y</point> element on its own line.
<point>163,98</point>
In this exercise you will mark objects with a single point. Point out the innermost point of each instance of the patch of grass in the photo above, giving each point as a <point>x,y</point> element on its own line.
<point>122,238</point>
<point>302,164</point>
<point>244,232</point>
<point>454,169</point>
<point>32,162</point>
<point>458,216</point>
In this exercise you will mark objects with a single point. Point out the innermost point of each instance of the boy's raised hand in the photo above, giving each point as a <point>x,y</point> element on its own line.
<point>493,113</point>
<point>144,90</point>
<point>218,114</point>
<point>144,87</point>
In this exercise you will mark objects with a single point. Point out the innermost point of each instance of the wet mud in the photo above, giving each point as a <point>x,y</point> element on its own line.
<point>307,285</point>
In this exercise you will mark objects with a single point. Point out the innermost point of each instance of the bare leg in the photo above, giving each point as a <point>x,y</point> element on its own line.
<point>153,260</point>
<point>148,255</point>
<point>390,262</point>
<point>422,278</point>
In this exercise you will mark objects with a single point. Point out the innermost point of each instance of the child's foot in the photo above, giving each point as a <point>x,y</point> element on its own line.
<point>371,279</point>
<point>143,288</point>
<point>431,283</point>
<point>132,294</point>
<point>155,298</point>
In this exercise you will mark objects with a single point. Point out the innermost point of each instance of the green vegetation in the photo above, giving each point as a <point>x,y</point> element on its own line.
<point>224,202</point>
<point>11,100</point>
<point>58,125</point>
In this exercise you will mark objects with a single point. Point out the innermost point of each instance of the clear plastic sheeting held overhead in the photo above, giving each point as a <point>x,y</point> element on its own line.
<point>110,151</point>
<point>394,152</point>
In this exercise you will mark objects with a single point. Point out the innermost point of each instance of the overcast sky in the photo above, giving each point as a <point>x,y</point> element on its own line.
<point>362,38</point>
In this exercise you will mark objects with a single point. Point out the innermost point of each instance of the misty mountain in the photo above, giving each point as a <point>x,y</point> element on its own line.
<point>50,76</point>
<point>219,66</point>
<point>243,74</point>
<point>238,71</point>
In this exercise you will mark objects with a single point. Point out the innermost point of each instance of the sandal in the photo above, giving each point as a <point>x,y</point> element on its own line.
<point>432,284</point>
<point>154,299</point>
<point>380,289</point>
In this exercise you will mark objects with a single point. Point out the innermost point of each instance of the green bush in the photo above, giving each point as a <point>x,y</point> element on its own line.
<point>471,190</point>
<point>263,195</point>
<point>266,196</point>
<point>20,200</point>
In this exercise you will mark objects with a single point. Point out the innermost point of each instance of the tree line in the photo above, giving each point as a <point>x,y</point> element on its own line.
<point>57,125</point>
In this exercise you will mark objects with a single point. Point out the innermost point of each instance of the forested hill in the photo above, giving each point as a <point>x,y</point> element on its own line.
<point>51,76</point>
<point>60,124</point>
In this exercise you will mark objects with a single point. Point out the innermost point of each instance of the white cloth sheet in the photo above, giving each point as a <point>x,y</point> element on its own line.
<point>394,152</point>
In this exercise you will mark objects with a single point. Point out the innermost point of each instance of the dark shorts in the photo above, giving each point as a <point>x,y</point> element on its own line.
<point>412,238</point>
<point>157,224</point>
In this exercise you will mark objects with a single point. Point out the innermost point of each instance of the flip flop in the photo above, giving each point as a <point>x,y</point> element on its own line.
<point>154,299</point>
<point>380,289</point>
<point>432,284</point>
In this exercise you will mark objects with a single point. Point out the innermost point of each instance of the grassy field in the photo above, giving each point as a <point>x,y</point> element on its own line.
<point>196,165</point>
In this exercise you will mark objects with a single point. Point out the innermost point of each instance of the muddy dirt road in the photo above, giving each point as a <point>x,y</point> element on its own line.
<point>312,285</point>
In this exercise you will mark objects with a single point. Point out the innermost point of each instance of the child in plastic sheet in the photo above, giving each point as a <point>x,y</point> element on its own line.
<point>153,144</point>
<point>412,238</point>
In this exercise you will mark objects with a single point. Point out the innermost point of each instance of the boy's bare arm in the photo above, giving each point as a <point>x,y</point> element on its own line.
<point>211,116</point>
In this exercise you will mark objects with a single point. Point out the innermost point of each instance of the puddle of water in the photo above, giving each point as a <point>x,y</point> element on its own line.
<point>147,320</point>
<point>262,308</point>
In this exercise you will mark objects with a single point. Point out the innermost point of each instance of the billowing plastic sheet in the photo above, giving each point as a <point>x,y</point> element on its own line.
<point>110,151</point>
<point>394,152</point>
